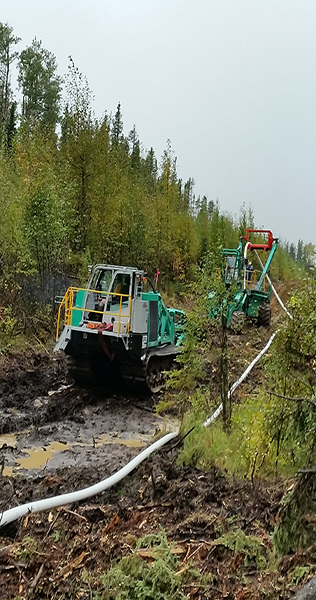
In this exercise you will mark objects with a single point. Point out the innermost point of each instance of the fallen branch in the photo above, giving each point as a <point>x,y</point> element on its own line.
<point>40,343</point>
<point>304,471</point>
<point>36,578</point>
<point>180,440</point>
<point>6,550</point>
<point>17,566</point>
<point>51,526</point>
<point>292,399</point>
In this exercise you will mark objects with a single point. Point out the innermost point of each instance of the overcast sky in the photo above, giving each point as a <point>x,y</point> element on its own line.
<point>232,84</point>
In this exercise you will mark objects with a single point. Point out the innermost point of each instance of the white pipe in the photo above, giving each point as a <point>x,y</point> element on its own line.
<point>214,416</point>
<point>19,511</point>
<point>48,503</point>
<point>252,364</point>
<point>273,288</point>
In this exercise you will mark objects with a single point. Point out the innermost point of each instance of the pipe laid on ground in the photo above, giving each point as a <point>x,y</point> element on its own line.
<point>214,416</point>
<point>19,511</point>
<point>31,507</point>
<point>241,378</point>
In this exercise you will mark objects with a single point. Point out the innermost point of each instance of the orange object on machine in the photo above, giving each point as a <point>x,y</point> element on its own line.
<point>267,246</point>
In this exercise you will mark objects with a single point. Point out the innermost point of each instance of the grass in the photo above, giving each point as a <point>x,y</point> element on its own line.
<point>248,450</point>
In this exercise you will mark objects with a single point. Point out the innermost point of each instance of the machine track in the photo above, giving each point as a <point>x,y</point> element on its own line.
<point>148,376</point>
<point>87,372</point>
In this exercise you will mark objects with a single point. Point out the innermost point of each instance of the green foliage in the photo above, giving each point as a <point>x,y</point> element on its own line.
<point>56,535</point>
<point>251,448</point>
<point>298,574</point>
<point>190,379</point>
<point>296,527</point>
<point>45,232</point>
<point>94,195</point>
<point>205,347</point>
<point>134,578</point>
<point>209,446</point>
<point>8,323</point>
<point>40,85</point>
<point>251,547</point>
<point>292,374</point>
<point>270,434</point>
<point>7,105</point>
<point>28,549</point>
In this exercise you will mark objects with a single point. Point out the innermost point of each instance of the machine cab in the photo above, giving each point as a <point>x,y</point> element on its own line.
<point>109,293</point>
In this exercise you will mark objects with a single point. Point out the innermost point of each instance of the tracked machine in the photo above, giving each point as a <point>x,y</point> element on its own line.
<point>117,333</point>
<point>251,295</point>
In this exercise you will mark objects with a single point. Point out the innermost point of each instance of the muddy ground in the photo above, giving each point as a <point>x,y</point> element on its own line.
<point>56,438</point>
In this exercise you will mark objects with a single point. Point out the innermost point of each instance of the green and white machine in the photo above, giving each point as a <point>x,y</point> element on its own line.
<point>252,296</point>
<point>117,334</point>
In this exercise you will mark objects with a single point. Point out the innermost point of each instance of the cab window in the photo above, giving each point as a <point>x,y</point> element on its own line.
<point>121,285</point>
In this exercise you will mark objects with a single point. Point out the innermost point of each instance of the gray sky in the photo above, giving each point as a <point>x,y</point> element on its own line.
<point>232,84</point>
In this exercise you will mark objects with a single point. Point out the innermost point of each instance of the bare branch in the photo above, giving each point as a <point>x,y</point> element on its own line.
<point>309,400</point>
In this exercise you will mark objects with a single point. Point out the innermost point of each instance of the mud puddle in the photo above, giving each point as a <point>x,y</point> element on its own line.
<point>96,431</point>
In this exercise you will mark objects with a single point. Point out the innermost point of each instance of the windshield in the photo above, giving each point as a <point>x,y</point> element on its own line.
<point>231,270</point>
<point>101,280</point>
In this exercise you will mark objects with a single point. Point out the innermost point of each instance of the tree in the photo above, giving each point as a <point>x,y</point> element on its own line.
<point>292,251</point>
<point>117,127</point>
<point>40,85</point>
<point>309,257</point>
<point>203,229</point>
<point>44,231</point>
<point>150,170</point>
<point>245,220</point>
<point>135,151</point>
<point>188,196</point>
<point>7,106</point>
<point>78,128</point>
<point>300,251</point>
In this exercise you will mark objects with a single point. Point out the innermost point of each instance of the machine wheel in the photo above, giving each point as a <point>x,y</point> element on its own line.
<point>237,321</point>
<point>264,315</point>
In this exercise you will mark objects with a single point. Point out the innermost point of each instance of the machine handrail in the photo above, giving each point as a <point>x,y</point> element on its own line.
<point>68,303</point>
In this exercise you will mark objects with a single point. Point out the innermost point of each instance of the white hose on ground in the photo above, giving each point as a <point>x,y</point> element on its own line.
<point>19,511</point>
<point>273,288</point>
<point>31,507</point>
<point>214,416</point>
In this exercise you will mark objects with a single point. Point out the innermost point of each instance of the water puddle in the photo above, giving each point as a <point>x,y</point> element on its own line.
<point>40,456</point>
<point>8,472</point>
<point>37,449</point>
<point>8,439</point>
